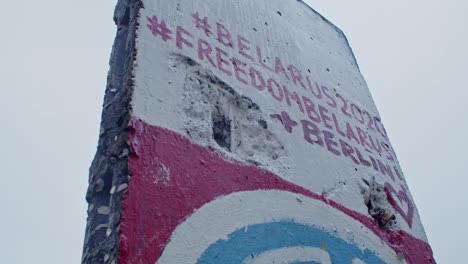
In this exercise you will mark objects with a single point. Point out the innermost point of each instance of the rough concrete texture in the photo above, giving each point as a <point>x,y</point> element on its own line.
<point>243,132</point>
<point>109,170</point>
<point>237,124</point>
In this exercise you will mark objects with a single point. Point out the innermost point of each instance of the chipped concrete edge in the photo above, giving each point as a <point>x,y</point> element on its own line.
<point>109,174</point>
<point>337,29</point>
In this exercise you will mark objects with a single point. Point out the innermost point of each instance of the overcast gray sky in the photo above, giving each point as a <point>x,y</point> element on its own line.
<point>55,55</point>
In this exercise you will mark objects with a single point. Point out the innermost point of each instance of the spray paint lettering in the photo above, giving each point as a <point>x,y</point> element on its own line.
<point>372,137</point>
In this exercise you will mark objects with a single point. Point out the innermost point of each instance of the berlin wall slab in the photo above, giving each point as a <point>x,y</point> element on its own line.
<point>246,134</point>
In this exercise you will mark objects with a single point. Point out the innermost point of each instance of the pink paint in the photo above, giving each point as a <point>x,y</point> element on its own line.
<point>159,28</point>
<point>370,120</point>
<point>348,151</point>
<point>292,96</point>
<point>224,36</point>
<point>279,68</point>
<point>386,170</point>
<point>151,211</point>
<point>375,145</point>
<point>223,60</point>
<point>286,120</point>
<point>261,60</point>
<point>357,113</point>
<point>344,106</point>
<point>239,70</point>
<point>350,134</point>
<point>311,133</point>
<point>325,101</point>
<point>330,143</point>
<point>403,198</point>
<point>325,117</point>
<point>311,110</point>
<point>319,136</point>
<point>296,76</point>
<point>204,51</point>
<point>244,47</point>
<point>277,96</point>
<point>331,101</point>
<point>257,80</point>
<point>202,24</point>
<point>337,126</point>
<point>389,150</point>
<point>318,92</point>
<point>180,39</point>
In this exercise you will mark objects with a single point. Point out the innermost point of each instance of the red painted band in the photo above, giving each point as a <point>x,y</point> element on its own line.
<point>172,177</point>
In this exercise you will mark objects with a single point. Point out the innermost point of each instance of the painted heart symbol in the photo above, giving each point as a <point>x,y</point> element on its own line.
<point>403,198</point>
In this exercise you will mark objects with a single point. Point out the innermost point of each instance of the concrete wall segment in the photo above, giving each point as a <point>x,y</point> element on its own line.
<point>240,101</point>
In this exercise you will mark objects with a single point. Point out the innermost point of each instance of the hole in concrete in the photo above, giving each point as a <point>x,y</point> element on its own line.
<point>221,127</point>
<point>263,123</point>
<point>377,204</point>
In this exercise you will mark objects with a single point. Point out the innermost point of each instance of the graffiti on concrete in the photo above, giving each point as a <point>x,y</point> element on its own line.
<point>322,107</point>
<point>254,138</point>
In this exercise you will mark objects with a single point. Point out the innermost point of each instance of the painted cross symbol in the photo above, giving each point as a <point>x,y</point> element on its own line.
<point>202,23</point>
<point>286,120</point>
<point>159,28</point>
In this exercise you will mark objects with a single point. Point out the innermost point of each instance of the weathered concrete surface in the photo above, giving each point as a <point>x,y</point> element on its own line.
<point>109,171</point>
<point>245,133</point>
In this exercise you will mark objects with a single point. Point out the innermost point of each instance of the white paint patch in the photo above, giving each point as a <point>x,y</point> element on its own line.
<point>291,255</point>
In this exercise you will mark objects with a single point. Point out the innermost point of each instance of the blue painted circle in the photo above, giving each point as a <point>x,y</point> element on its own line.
<point>260,238</point>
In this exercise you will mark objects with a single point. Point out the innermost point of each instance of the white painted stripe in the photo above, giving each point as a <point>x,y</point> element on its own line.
<point>221,217</point>
<point>291,255</point>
